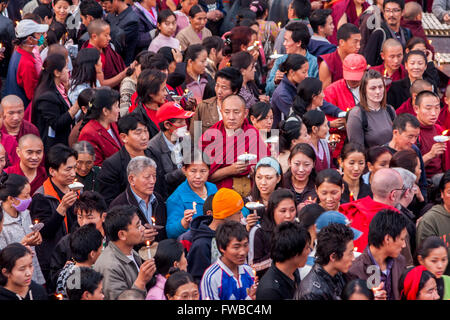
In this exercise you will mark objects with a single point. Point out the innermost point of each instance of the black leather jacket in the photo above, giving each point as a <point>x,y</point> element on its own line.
<point>320,285</point>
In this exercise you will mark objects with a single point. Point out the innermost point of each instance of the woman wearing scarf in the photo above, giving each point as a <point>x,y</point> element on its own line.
<point>419,284</point>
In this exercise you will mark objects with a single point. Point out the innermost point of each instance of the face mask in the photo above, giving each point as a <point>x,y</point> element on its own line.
<point>41,40</point>
<point>181,132</point>
<point>23,205</point>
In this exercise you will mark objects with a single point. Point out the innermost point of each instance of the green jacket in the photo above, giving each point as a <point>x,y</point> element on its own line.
<point>436,222</point>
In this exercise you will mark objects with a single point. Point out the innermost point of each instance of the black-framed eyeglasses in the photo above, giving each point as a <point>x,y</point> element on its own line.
<point>401,189</point>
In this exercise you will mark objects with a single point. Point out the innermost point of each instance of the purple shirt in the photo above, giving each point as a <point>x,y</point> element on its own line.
<point>385,276</point>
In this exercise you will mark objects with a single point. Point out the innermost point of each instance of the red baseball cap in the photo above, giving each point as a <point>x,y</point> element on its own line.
<point>354,66</point>
<point>172,110</point>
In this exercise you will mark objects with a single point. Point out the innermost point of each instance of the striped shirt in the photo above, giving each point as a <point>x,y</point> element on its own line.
<point>219,283</point>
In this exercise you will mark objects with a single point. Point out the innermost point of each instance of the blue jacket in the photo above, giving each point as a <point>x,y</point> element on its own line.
<point>199,256</point>
<point>282,100</point>
<point>318,48</point>
<point>313,71</point>
<point>181,199</point>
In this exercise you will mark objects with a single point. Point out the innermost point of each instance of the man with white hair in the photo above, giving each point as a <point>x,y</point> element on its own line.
<point>409,184</point>
<point>141,172</point>
<point>387,188</point>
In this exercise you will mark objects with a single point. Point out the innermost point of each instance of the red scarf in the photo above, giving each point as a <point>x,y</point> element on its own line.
<point>411,283</point>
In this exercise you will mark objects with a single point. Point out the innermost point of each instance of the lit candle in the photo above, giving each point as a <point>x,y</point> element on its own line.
<point>1,45</point>
<point>355,249</point>
<point>36,221</point>
<point>351,196</point>
<point>442,138</point>
<point>309,198</point>
<point>59,296</point>
<point>153,220</point>
<point>149,253</point>
<point>279,25</point>
<point>194,206</point>
<point>254,272</point>
<point>348,109</point>
<point>21,13</point>
<point>385,73</point>
<point>429,42</point>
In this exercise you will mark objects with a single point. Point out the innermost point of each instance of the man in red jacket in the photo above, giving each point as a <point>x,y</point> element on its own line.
<point>387,188</point>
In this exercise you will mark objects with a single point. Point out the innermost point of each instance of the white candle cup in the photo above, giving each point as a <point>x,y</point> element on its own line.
<point>441,139</point>
<point>247,157</point>
<point>254,205</point>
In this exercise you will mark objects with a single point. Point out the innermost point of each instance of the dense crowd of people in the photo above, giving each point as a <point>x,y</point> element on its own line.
<point>223,150</point>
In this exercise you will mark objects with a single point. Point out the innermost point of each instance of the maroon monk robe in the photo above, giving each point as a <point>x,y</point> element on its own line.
<point>406,107</point>
<point>41,176</point>
<point>348,7</point>
<point>399,74</point>
<point>438,164</point>
<point>444,117</point>
<point>334,63</point>
<point>25,128</point>
<point>223,150</point>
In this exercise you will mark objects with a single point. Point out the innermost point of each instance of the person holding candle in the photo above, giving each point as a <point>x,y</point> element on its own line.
<point>53,202</point>
<point>387,234</point>
<point>392,68</point>
<point>280,208</point>
<point>290,248</point>
<point>195,189</point>
<point>230,270</point>
<point>31,152</point>
<point>329,188</point>
<point>353,162</point>
<point>436,155</point>
<point>86,171</point>
<point>169,256</point>
<point>121,266</point>
<point>267,177</point>
<point>301,174</point>
<point>267,30</point>
<point>296,41</point>
<point>15,199</point>
<point>435,221</point>
<point>226,168</point>
<point>16,263</point>
<point>227,205</point>
<point>196,31</point>
<point>334,257</point>
<point>433,255</point>
<point>141,172</point>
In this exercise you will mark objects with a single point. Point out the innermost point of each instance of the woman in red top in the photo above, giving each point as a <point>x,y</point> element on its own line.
<point>99,125</point>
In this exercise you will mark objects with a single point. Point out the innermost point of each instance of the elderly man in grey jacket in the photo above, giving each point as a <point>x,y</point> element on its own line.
<point>441,9</point>
<point>121,266</point>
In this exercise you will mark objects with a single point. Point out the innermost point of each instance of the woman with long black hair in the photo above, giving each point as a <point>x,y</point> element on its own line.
<point>52,114</point>
<point>84,73</point>
<point>309,96</point>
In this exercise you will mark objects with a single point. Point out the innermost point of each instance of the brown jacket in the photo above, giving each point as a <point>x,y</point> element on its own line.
<point>207,113</point>
<point>188,37</point>
<point>359,270</point>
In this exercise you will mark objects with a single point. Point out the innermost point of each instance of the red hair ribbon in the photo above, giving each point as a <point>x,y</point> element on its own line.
<point>411,283</point>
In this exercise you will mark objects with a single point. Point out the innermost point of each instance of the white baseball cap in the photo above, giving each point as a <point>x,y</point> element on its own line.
<point>27,27</point>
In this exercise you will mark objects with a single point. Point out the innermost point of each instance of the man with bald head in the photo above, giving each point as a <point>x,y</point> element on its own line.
<point>412,19</point>
<point>229,138</point>
<point>31,152</point>
<point>417,86</point>
<point>392,67</point>
<point>12,110</point>
<point>387,188</point>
